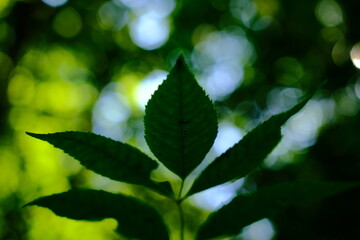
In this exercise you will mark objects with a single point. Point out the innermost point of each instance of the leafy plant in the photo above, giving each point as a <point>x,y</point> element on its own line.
<point>180,128</point>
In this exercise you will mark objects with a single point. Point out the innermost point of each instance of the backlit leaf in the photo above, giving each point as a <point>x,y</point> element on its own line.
<point>135,219</point>
<point>180,121</point>
<point>112,159</point>
<point>247,154</point>
<point>267,202</point>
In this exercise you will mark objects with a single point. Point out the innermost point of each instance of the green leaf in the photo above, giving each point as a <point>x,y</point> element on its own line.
<point>180,121</point>
<point>112,159</point>
<point>135,219</point>
<point>246,155</point>
<point>267,202</point>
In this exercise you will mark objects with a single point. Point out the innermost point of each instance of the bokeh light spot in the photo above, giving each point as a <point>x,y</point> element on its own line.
<point>63,97</point>
<point>329,13</point>
<point>347,101</point>
<point>134,3</point>
<point>355,55</point>
<point>55,3</point>
<point>3,5</point>
<point>67,23</point>
<point>340,53</point>
<point>9,177</point>
<point>281,99</point>
<point>260,230</point>
<point>228,135</point>
<point>149,32</point>
<point>301,130</point>
<point>113,16</point>
<point>21,87</point>
<point>267,7</point>
<point>222,80</point>
<point>154,8</point>
<point>148,86</point>
<point>214,198</point>
<point>288,70</point>
<point>244,10</point>
<point>261,23</point>
<point>332,34</point>
<point>110,111</point>
<point>201,32</point>
<point>357,88</point>
<point>220,59</point>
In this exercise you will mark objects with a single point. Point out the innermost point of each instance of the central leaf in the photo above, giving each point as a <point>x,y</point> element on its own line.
<point>180,121</point>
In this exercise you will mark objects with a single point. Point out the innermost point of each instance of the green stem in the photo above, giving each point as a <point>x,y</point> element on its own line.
<point>181,213</point>
<point>182,220</point>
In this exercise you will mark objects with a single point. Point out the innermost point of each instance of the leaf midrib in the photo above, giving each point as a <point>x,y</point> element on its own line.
<point>98,149</point>
<point>181,100</point>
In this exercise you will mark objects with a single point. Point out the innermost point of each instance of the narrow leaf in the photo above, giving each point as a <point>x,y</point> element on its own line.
<point>267,203</point>
<point>135,219</point>
<point>112,159</point>
<point>180,121</point>
<point>247,154</point>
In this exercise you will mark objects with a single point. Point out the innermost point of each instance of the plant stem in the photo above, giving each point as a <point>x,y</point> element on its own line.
<point>181,213</point>
<point>182,220</point>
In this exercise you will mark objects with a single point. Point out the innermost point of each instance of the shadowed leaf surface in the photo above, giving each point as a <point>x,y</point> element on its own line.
<point>247,154</point>
<point>267,202</point>
<point>180,121</point>
<point>135,219</point>
<point>112,159</point>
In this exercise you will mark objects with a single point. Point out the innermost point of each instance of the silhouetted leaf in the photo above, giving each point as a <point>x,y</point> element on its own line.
<point>247,154</point>
<point>267,202</point>
<point>135,219</point>
<point>180,121</point>
<point>112,159</point>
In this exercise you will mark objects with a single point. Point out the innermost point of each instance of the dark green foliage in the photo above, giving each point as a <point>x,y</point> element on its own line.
<point>246,155</point>
<point>112,159</point>
<point>267,202</point>
<point>180,121</point>
<point>180,127</point>
<point>135,218</point>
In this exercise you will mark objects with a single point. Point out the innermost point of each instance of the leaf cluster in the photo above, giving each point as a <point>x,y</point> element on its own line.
<point>180,128</point>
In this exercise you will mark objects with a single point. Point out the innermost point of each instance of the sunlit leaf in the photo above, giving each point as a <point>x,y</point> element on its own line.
<point>112,159</point>
<point>180,121</point>
<point>135,219</point>
<point>247,154</point>
<point>267,202</point>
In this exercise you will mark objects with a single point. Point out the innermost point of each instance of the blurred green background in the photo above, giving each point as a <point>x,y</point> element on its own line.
<point>92,65</point>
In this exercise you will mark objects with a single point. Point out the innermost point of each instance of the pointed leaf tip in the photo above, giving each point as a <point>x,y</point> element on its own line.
<point>245,156</point>
<point>112,159</point>
<point>135,218</point>
<point>180,121</point>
